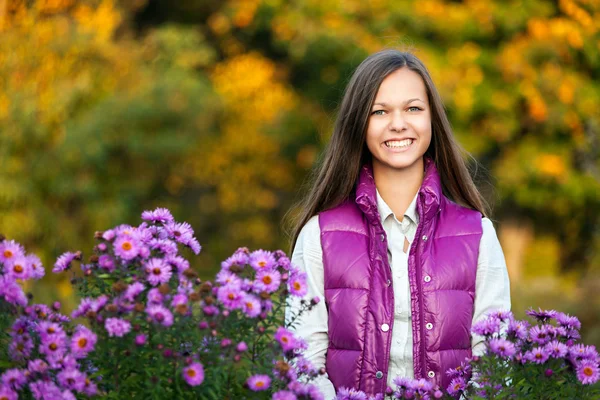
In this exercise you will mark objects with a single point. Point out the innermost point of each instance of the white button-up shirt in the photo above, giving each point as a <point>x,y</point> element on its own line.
<point>492,290</point>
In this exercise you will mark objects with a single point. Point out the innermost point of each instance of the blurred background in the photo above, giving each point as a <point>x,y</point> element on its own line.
<point>219,109</point>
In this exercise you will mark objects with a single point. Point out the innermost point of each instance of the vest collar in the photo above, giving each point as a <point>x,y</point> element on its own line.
<point>428,199</point>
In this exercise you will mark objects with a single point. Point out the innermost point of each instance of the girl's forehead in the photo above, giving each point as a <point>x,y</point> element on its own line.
<point>401,85</point>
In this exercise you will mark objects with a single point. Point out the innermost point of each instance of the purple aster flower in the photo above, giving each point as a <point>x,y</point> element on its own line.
<point>487,327</point>
<point>518,329</point>
<point>286,339</point>
<point>42,390</point>
<point>239,259</point>
<point>106,262</point>
<point>14,378</point>
<point>37,366</point>
<point>541,315</point>
<point>225,277</point>
<point>133,291</point>
<point>18,268</point>
<point>258,383</point>
<point>537,355</point>
<point>158,271</point>
<point>350,394</point>
<point>194,245</point>
<point>502,347</point>
<point>9,250</point>
<point>179,299</point>
<point>241,347</point>
<point>251,306</point>
<point>82,342</point>
<point>126,247</point>
<point>180,263</point>
<point>580,352</point>
<point>64,261</point>
<point>267,280</point>
<point>35,266</point>
<point>90,389</point>
<point>588,372</point>
<point>181,232</point>
<point>567,321</point>
<point>140,339</point>
<point>194,374</point>
<point>20,348</point>
<point>401,382</point>
<point>421,386</point>
<point>557,349</point>
<point>46,328</point>
<point>53,345</point>
<point>541,334</point>
<point>297,285</point>
<point>457,386</point>
<point>304,366</point>
<point>165,246</point>
<point>154,296</point>
<point>161,215</point>
<point>230,296</point>
<point>12,292</point>
<point>117,327</point>
<point>284,395</point>
<point>72,379</point>
<point>160,314</point>
<point>7,394</point>
<point>262,260</point>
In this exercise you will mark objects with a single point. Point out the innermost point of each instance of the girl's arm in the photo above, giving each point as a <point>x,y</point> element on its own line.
<point>312,325</point>
<point>492,287</point>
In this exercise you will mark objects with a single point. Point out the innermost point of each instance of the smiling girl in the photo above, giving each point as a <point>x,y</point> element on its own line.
<point>394,236</point>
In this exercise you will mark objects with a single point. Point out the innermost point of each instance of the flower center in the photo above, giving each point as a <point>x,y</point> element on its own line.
<point>267,279</point>
<point>538,356</point>
<point>297,285</point>
<point>159,317</point>
<point>50,330</point>
<point>231,296</point>
<point>18,268</point>
<point>126,246</point>
<point>587,371</point>
<point>260,384</point>
<point>82,342</point>
<point>177,233</point>
<point>285,339</point>
<point>156,271</point>
<point>191,373</point>
<point>262,264</point>
<point>8,253</point>
<point>249,305</point>
<point>53,346</point>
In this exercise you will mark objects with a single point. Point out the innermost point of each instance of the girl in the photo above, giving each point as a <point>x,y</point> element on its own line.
<point>393,236</point>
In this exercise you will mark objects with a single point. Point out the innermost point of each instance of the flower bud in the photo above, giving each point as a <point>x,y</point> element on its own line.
<point>235,268</point>
<point>213,332</point>
<point>548,372</point>
<point>208,300</point>
<point>203,325</point>
<point>98,234</point>
<point>160,346</point>
<point>195,297</point>
<point>322,371</point>
<point>164,289</point>
<point>285,276</point>
<point>101,247</point>
<point>237,358</point>
<point>225,313</point>
<point>264,295</point>
<point>438,394</point>
<point>119,286</point>
<point>315,300</point>
<point>78,256</point>
<point>225,342</point>
<point>56,305</point>
<point>113,308</point>
<point>261,329</point>
<point>241,347</point>
<point>190,273</point>
<point>140,340</point>
<point>212,324</point>
<point>389,391</point>
<point>167,353</point>
<point>206,287</point>
<point>139,307</point>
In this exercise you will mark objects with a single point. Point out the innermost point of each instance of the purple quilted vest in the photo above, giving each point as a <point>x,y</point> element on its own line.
<point>442,267</point>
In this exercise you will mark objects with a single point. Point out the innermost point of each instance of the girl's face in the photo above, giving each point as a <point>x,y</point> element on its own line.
<point>399,129</point>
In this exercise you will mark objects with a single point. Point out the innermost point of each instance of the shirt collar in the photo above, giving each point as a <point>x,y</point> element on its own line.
<point>385,211</point>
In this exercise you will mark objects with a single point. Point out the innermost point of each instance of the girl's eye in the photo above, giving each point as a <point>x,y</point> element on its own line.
<point>414,108</point>
<point>378,112</point>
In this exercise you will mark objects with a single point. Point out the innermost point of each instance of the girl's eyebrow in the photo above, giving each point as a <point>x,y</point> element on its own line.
<point>405,103</point>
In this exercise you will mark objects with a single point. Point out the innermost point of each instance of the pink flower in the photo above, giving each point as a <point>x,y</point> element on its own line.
<point>262,260</point>
<point>158,271</point>
<point>230,296</point>
<point>259,382</point>
<point>161,215</point>
<point>64,261</point>
<point>267,280</point>
<point>251,306</point>
<point>18,268</point>
<point>297,285</point>
<point>502,347</point>
<point>117,327</point>
<point>193,374</point>
<point>82,342</point>
<point>286,339</point>
<point>126,247</point>
<point>9,250</point>
<point>588,372</point>
<point>160,315</point>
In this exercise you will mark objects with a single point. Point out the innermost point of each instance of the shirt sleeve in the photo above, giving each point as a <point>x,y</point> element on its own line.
<point>312,325</point>
<point>492,286</point>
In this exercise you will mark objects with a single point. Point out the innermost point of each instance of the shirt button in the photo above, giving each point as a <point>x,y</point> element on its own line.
<point>388,282</point>
<point>385,327</point>
<point>379,375</point>
<point>429,326</point>
<point>424,238</point>
<point>427,278</point>
<point>431,374</point>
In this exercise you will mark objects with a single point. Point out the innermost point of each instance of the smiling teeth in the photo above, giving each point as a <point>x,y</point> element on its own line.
<point>397,144</point>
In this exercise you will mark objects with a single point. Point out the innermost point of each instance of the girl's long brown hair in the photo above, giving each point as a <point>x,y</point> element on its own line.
<point>335,177</point>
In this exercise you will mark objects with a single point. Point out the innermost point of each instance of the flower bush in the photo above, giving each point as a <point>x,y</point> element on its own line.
<point>147,327</point>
